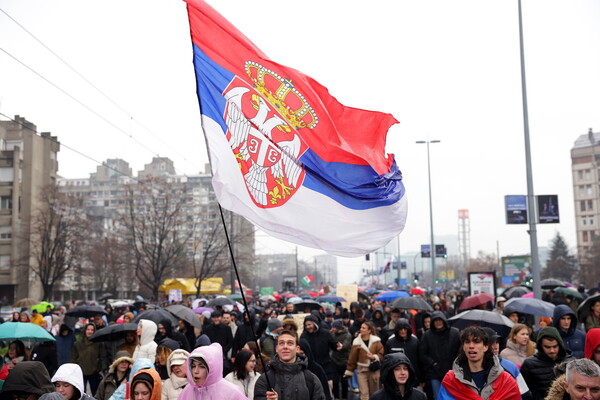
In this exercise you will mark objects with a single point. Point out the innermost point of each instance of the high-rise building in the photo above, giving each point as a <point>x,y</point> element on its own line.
<point>28,164</point>
<point>585,157</point>
<point>105,198</point>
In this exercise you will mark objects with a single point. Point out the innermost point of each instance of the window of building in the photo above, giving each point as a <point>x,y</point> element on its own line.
<point>582,205</point>
<point>580,175</point>
<point>5,232</point>
<point>588,190</point>
<point>584,236</point>
<point>584,221</point>
<point>5,202</point>
<point>587,174</point>
<point>4,262</point>
<point>590,205</point>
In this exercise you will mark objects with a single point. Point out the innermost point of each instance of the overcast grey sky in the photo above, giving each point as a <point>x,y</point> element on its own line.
<point>447,70</point>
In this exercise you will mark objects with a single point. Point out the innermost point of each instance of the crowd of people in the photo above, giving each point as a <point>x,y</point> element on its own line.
<point>280,351</point>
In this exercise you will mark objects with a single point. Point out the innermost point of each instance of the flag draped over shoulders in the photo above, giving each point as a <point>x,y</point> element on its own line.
<point>286,154</point>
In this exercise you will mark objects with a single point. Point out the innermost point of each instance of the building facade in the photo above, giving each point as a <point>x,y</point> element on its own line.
<point>585,157</point>
<point>106,195</point>
<point>28,164</point>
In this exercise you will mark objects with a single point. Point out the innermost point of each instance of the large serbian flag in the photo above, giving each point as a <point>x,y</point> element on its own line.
<point>287,155</point>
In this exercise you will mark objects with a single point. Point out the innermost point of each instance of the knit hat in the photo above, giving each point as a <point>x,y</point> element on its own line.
<point>274,323</point>
<point>337,324</point>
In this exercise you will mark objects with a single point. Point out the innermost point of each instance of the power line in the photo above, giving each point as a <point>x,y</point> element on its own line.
<point>93,86</point>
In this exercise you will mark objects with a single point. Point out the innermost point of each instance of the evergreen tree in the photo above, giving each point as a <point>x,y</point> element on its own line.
<point>561,265</point>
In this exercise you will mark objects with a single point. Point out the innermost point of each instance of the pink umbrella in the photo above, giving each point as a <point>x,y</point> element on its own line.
<point>528,295</point>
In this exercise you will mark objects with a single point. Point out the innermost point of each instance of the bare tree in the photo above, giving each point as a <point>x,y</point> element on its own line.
<point>107,258</point>
<point>56,237</point>
<point>156,229</point>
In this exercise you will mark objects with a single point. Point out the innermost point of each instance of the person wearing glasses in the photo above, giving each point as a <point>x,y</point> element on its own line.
<point>243,374</point>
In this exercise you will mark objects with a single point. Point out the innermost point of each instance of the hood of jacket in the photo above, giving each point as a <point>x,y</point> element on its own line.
<point>149,329</point>
<point>314,320</point>
<point>592,341</point>
<point>139,364</point>
<point>147,374</point>
<point>213,357</point>
<point>293,368</point>
<point>402,323</point>
<point>70,373</point>
<point>28,377</point>
<point>559,312</point>
<point>391,361</point>
<point>176,353</point>
<point>113,366</point>
<point>550,332</point>
<point>439,315</point>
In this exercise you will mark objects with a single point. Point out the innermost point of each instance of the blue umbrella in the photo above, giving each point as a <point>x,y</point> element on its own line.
<point>25,331</point>
<point>391,295</point>
<point>329,298</point>
<point>531,306</point>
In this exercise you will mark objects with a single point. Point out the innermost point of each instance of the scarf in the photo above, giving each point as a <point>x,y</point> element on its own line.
<point>504,388</point>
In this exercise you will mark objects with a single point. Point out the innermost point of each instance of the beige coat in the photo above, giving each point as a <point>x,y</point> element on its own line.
<point>358,353</point>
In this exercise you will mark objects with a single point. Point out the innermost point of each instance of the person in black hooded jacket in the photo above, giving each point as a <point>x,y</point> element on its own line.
<point>165,331</point>
<point>321,342</point>
<point>245,332</point>
<point>405,342</point>
<point>538,369</point>
<point>398,379</point>
<point>438,348</point>
<point>27,378</point>
<point>315,367</point>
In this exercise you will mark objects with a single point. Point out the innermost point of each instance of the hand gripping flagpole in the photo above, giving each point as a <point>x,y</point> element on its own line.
<point>237,275</point>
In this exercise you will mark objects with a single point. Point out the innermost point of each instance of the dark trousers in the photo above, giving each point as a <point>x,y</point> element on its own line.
<point>340,384</point>
<point>94,381</point>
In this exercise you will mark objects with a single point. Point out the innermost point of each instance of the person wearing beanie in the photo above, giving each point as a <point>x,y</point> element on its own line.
<point>146,347</point>
<point>146,384</point>
<point>118,372</point>
<point>177,379</point>
<point>538,369</point>
<point>202,340</point>
<point>204,371</point>
<point>544,322</point>
<point>340,358</point>
<point>68,381</point>
<point>268,341</point>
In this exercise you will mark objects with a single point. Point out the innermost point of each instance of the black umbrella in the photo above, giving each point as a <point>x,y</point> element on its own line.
<point>86,311</point>
<point>113,332</point>
<point>550,283</point>
<point>584,308</point>
<point>515,291</point>
<point>156,316</point>
<point>301,305</point>
<point>220,302</point>
<point>106,296</point>
<point>186,314</point>
<point>412,303</point>
<point>494,320</point>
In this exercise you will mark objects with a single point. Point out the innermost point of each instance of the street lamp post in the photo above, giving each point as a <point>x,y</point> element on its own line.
<point>432,248</point>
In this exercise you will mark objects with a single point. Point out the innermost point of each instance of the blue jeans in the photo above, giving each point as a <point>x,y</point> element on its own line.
<point>435,387</point>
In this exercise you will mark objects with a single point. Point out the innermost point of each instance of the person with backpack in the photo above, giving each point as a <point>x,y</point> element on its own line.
<point>288,377</point>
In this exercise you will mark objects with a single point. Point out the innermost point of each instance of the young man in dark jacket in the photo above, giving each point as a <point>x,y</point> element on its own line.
<point>438,348</point>
<point>405,342</point>
<point>538,369</point>
<point>398,379</point>
<point>565,321</point>
<point>288,374</point>
<point>321,342</point>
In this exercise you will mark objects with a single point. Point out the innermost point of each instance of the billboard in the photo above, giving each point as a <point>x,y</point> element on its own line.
<point>516,268</point>
<point>547,207</point>
<point>516,209</point>
<point>425,250</point>
<point>482,282</point>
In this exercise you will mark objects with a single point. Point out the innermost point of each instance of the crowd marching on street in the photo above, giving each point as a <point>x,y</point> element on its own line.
<point>290,348</point>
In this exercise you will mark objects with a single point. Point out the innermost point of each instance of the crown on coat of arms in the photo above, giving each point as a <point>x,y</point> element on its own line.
<point>282,95</point>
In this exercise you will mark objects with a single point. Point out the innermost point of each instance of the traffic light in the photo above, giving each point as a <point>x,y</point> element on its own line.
<point>440,251</point>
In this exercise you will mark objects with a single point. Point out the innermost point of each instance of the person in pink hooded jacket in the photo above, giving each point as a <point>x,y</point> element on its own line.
<point>204,371</point>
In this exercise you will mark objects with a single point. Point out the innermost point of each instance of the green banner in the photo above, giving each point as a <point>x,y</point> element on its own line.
<point>267,290</point>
